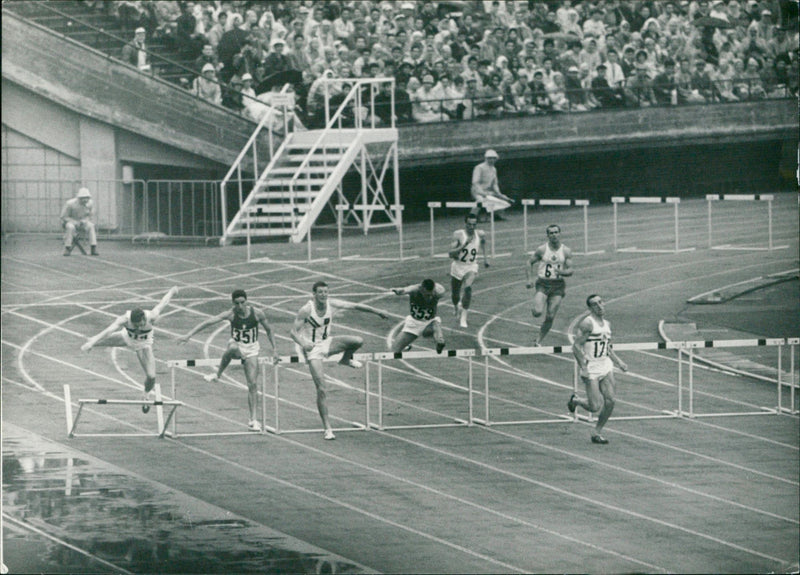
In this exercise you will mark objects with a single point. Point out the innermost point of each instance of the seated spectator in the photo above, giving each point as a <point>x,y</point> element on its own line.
<point>206,85</point>
<point>687,93</point>
<point>701,81</point>
<point>539,98</point>
<point>491,101</point>
<point>232,95</point>
<point>471,97</point>
<point>574,90</point>
<point>607,96</point>
<point>451,102</point>
<point>723,82</point>
<point>76,216</point>
<point>427,102</point>
<point>188,40</point>
<point>135,52</point>
<point>664,85</point>
<point>557,94</point>
<point>206,57</point>
<point>276,60</point>
<point>639,89</point>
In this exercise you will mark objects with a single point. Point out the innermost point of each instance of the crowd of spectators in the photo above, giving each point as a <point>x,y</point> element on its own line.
<point>469,59</point>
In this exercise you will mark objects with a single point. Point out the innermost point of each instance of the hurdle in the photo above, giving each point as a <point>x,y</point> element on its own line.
<point>433,205</point>
<point>687,347</point>
<point>158,403</point>
<point>582,203</point>
<point>711,198</point>
<point>368,209</point>
<point>296,360</point>
<point>649,200</point>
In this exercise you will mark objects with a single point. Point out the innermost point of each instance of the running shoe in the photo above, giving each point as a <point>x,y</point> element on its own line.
<point>439,347</point>
<point>329,435</point>
<point>571,405</point>
<point>599,439</point>
<point>253,425</point>
<point>210,377</point>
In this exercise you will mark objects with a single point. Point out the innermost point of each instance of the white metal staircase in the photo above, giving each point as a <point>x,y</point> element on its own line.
<point>305,173</point>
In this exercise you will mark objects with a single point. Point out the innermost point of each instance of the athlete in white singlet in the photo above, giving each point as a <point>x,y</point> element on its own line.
<point>596,359</point>
<point>553,262</point>
<point>464,252</point>
<point>134,329</point>
<point>243,344</point>
<point>312,334</point>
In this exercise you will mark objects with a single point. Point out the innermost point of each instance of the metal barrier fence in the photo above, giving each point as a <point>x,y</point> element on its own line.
<point>124,209</point>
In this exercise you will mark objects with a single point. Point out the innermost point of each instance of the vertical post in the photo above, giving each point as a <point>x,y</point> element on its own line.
<point>159,408</point>
<point>430,207</point>
<point>486,389</point>
<point>399,217</point>
<point>769,212</point>
<point>525,227</point>
<point>575,377</point>
<point>677,229</point>
<point>470,390</point>
<point>263,396</point>
<point>174,396</point>
<point>615,224</point>
<point>680,382</point>
<point>247,232</point>
<point>710,243</point>
<point>366,395</point>
<point>277,401</point>
<point>68,407</point>
<point>691,383</point>
<point>585,229</point>
<point>308,244</point>
<point>380,394</point>
<point>793,380</point>
<point>491,215</point>
<point>339,228</point>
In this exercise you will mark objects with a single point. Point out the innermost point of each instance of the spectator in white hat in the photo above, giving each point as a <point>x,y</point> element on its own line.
<point>135,53</point>
<point>206,85</point>
<point>485,188</point>
<point>76,217</point>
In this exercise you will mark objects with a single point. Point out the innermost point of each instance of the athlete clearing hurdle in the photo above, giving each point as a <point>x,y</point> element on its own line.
<point>243,344</point>
<point>137,334</point>
<point>311,333</point>
<point>422,319</point>
<point>555,263</point>
<point>592,350</point>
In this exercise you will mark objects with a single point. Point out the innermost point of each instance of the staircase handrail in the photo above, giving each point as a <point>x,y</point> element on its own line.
<point>353,94</point>
<point>237,163</point>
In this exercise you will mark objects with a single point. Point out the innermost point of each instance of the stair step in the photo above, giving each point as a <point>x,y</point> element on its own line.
<point>271,219</point>
<point>286,182</point>
<point>285,195</point>
<point>291,171</point>
<point>280,209</point>
<point>261,232</point>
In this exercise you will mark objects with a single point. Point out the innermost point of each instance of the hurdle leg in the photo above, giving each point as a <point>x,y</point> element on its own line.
<point>380,394</point>
<point>308,245</point>
<point>680,382</point>
<point>339,228</point>
<point>263,396</point>
<point>366,395</point>
<point>691,383</point>
<point>159,407</point>
<point>525,227</point>
<point>276,384</point>
<point>399,217</point>
<point>486,390</point>
<point>710,241</point>
<point>470,391</point>
<point>491,225</point>
<point>174,397</point>
<point>615,226</point>
<point>75,421</point>
<point>585,229</point>
<point>677,230</point>
<point>170,415</point>
<point>769,225</point>
<point>68,408</point>
<point>430,207</point>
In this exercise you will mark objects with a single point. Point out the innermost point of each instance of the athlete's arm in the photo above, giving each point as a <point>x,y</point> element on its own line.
<point>405,290</point>
<point>262,319</point>
<point>342,304</point>
<point>156,311</point>
<point>615,358</point>
<point>584,331</point>
<point>455,246</point>
<point>225,315</point>
<point>115,325</point>
<point>439,290</point>
<point>299,321</point>
<point>566,270</point>
<point>536,258</point>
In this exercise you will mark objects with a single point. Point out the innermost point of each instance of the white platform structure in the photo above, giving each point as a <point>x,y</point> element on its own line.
<point>304,175</point>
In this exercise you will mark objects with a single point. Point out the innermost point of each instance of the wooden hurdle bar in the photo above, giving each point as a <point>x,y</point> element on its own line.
<point>433,205</point>
<point>158,403</point>
<point>675,201</point>
<point>711,198</point>
<point>555,202</point>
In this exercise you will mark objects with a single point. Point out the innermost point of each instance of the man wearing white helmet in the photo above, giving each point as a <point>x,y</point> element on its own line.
<point>76,216</point>
<point>485,188</point>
